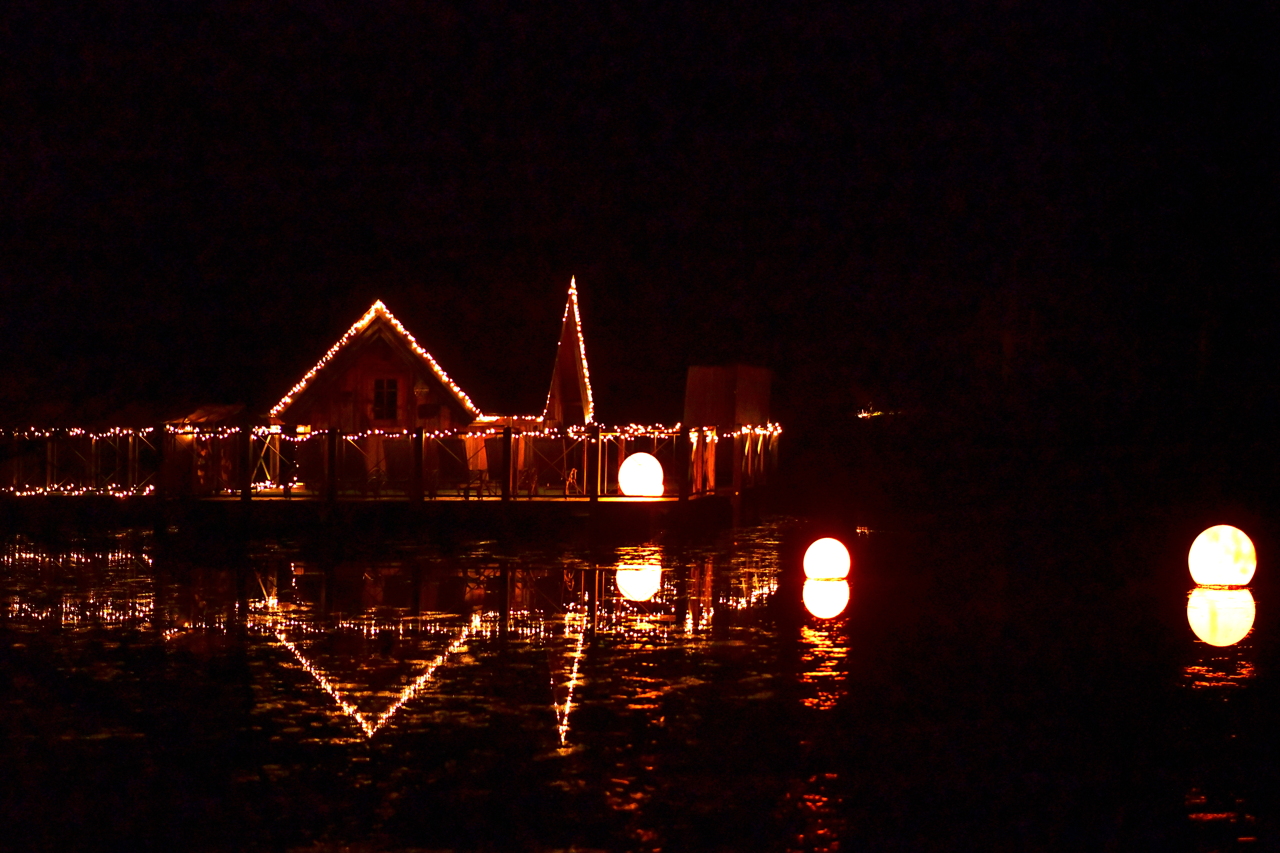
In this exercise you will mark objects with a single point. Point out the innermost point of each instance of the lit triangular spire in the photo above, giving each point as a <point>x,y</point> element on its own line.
<point>570,379</point>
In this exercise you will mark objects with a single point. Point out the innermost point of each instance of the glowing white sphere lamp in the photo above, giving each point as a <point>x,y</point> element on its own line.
<point>640,476</point>
<point>1222,556</point>
<point>826,599</point>
<point>827,559</point>
<point>639,583</point>
<point>1220,617</point>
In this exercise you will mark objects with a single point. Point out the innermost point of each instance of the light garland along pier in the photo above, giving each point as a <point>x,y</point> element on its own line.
<point>462,474</point>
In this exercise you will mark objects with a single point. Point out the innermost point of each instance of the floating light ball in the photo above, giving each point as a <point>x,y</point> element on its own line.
<point>826,599</point>
<point>1222,556</point>
<point>1220,617</point>
<point>826,559</point>
<point>639,583</point>
<point>640,476</point>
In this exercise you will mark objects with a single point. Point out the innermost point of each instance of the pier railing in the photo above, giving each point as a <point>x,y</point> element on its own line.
<point>279,461</point>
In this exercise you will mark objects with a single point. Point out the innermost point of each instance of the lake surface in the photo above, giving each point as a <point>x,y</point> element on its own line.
<point>1014,687</point>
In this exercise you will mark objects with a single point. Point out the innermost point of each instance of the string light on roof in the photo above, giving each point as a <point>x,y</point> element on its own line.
<point>589,408</point>
<point>378,309</point>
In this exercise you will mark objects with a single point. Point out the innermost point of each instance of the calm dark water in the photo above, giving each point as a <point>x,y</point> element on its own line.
<point>993,687</point>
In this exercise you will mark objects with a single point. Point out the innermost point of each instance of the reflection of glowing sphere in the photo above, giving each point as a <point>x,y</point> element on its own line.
<point>826,598</point>
<point>826,559</point>
<point>639,583</point>
<point>1220,617</point>
<point>1222,556</point>
<point>640,476</point>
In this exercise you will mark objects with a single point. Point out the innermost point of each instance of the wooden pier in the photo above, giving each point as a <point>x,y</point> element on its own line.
<point>292,476</point>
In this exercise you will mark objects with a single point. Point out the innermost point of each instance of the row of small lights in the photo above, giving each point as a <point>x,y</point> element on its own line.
<point>75,432</point>
<point>75,491</point>
<point>305,433</point>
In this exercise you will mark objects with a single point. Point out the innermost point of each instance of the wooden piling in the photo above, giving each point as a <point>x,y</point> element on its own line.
<point>508,460</point>
<point>593,471</point>
<point>415,482</point>
<point>244,441</point>
<point>331,470</point>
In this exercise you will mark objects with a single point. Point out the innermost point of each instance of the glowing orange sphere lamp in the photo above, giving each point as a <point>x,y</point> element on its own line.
<point>1222,556</point>
<point>640,476</point>
<point>827,559</point>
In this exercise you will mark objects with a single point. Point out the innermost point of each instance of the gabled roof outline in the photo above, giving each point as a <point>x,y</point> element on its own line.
<point>378,309</point>
<point>369,723</point>
<point>584,375</point>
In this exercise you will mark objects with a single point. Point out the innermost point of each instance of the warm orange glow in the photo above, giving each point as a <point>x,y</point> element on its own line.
<point>826,559</point>
<point>1220,617</point>
<point>1222,556</point>
<point>640,476</point>
<point>826,599</point>
<point>639,583</point>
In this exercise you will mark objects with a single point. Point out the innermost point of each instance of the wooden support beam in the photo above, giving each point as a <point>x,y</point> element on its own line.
<point>288,453</point>
<point>332,438</point>
<point>508,464</point>
<point>244,440</point>
<point>431,461</point>
<point>593,471</point>
<point>415,481</point>
<point>161,438</point>
<point>683,457</point>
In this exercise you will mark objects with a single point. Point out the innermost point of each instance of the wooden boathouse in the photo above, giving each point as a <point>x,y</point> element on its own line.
<point>377,418</point>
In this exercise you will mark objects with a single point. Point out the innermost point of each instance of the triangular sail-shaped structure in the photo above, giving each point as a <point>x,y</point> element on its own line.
<point>569,398</point>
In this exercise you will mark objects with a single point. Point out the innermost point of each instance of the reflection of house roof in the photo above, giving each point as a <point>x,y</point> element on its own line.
<point>377,311</point>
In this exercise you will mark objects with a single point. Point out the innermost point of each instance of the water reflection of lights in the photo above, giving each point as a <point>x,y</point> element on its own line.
<point>368,724</point>
<point>1222,556</point>
<point>827,559</point>
<point>826,599</point>
<point>1220,617</point>
<point>639,583</point>
<point>825,651</point>
<point>574,623</point>
<point>119,597</point>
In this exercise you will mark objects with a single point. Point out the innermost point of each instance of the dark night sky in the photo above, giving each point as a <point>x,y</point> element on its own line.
<point>876,200</point>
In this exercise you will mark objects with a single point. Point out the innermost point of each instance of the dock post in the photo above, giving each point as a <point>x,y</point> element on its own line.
<point>431,452</point>
<point>288,451</point>
<point>50,462</point>
<point>17,459</point>
<point>415,484</point>
<point>508,460</point>
<point>593,471</point>
<point>245,442</point>
<point>682,462</point>
<point>160,432</point>
<point>331,470</point>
